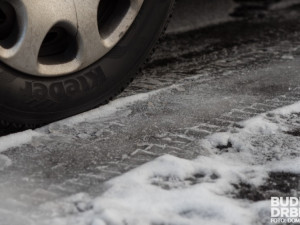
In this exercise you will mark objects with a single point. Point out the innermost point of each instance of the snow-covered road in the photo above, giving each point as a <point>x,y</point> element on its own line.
<point>230,182</point>
<point>183,117</point>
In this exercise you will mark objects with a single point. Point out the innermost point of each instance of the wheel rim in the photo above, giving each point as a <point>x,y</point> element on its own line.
<point>54,38</point>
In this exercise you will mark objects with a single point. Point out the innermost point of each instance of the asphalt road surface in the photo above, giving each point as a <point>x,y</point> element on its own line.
<point>197,83</point>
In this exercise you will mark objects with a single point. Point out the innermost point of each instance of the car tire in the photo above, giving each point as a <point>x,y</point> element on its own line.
<point>28,101</point>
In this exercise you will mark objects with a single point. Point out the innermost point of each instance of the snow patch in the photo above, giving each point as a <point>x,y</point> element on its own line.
<point>171,190</point>
<point>14,140</point>
<point>288,166</point>
<point>287,110</point>
<point>109,109</point>
<point>4,162</point>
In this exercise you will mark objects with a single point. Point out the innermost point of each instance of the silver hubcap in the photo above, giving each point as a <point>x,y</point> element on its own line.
<point>53,38</point>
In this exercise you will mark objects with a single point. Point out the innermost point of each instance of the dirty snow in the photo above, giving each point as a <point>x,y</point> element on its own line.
<point>171,190</point>
<point>111,108</point>
<point>4,162</point>
<point>14,140</point>
<point>25,137</point>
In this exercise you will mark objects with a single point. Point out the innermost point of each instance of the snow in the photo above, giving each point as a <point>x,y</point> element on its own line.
<point>287,110</point>
<point>289,165</point>
<point>109,109</point>
<point>172,190</point>
<point>284,4</point>
<point>4,162</point>
<point>17,139</point>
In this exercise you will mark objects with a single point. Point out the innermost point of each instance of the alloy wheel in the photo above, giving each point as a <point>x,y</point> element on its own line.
<point>54,38</point>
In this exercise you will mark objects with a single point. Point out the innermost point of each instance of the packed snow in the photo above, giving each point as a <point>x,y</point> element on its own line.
<point>28,136</point>
<point>206,190</point>
<point>14,140</point>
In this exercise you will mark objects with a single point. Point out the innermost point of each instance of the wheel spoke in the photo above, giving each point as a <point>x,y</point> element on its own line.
<point>91,45</point>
